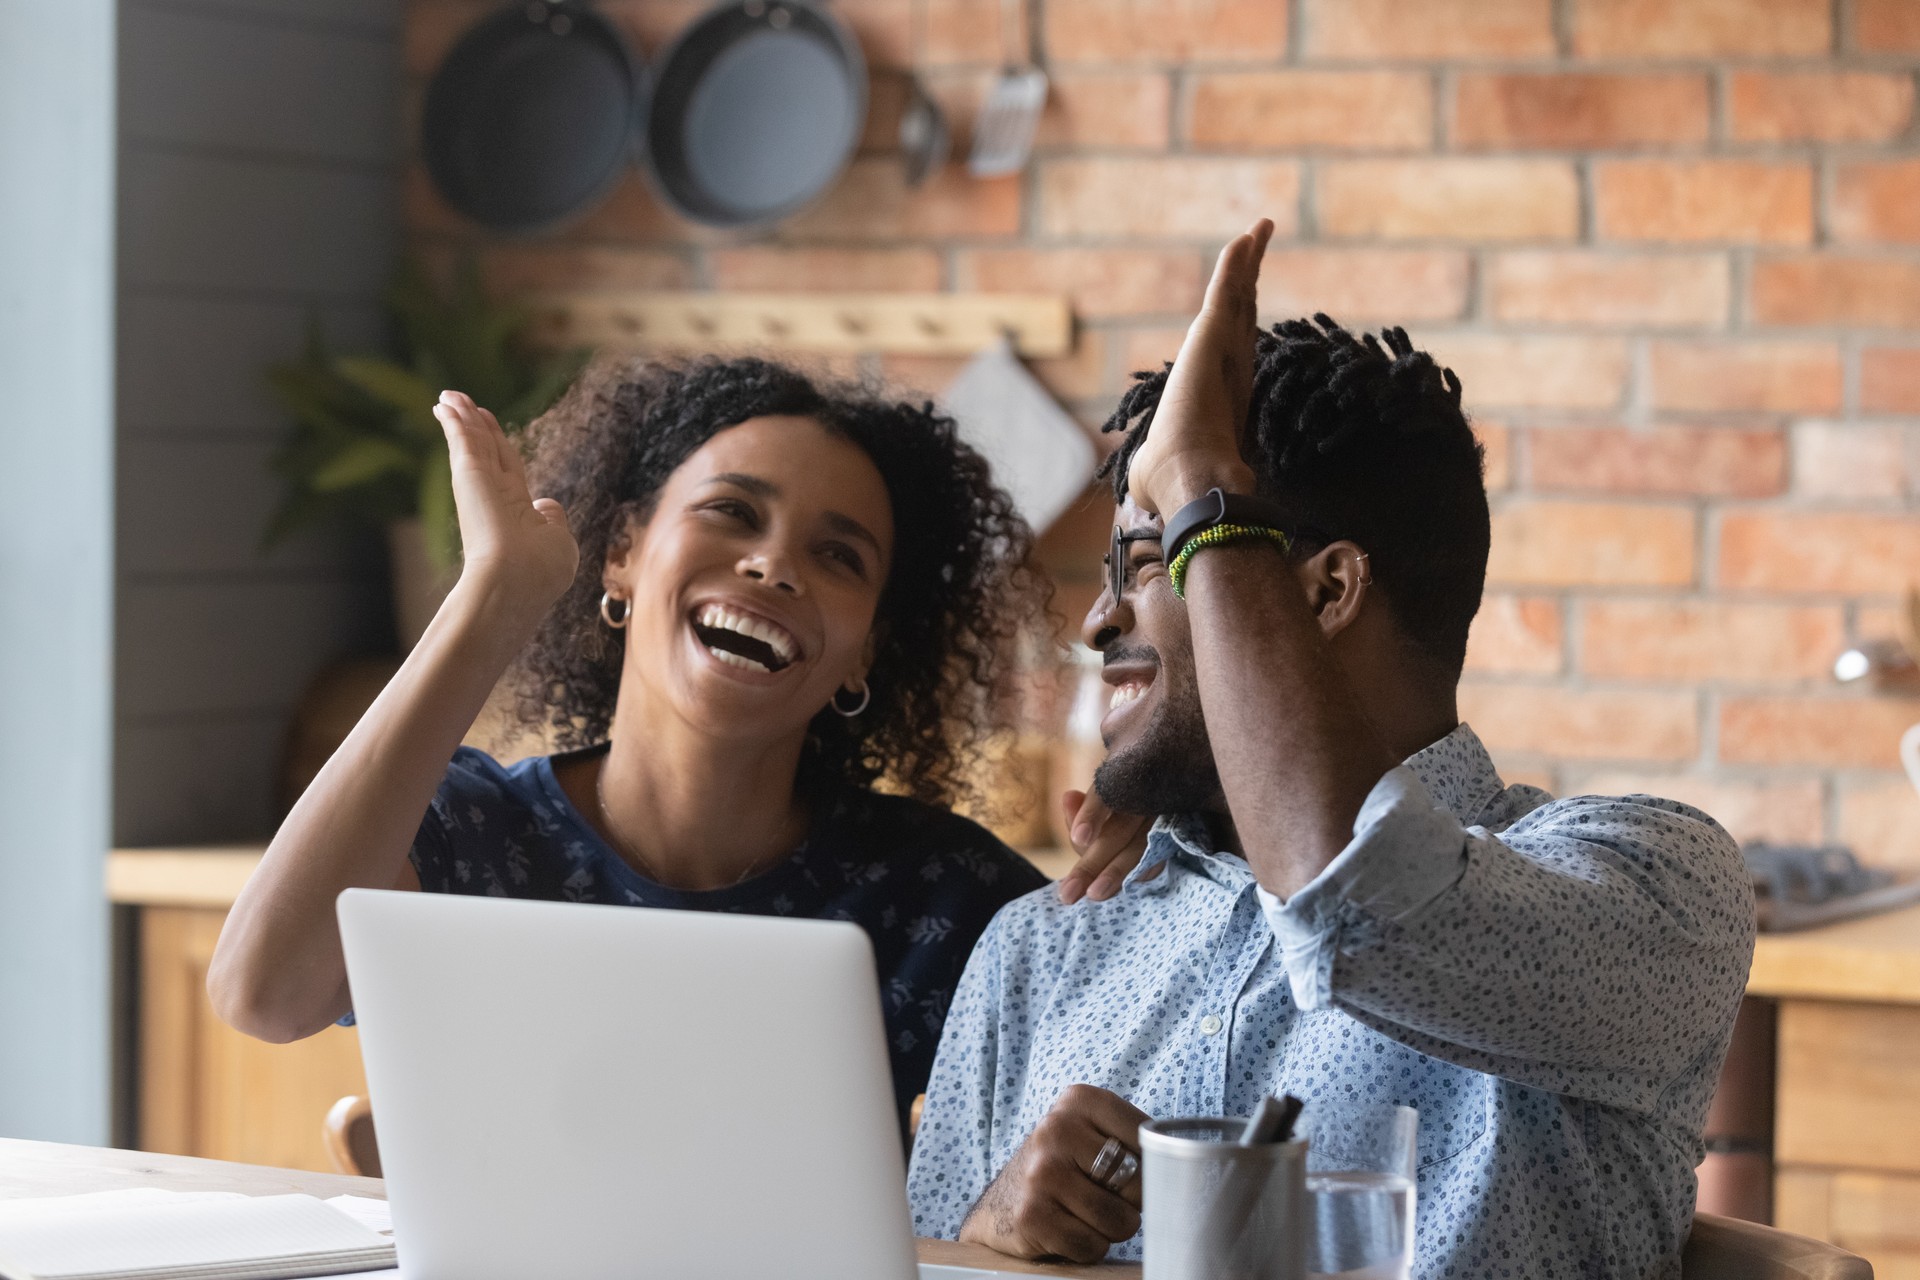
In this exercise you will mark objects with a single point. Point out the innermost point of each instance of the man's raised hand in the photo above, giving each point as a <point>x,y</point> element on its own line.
<point>516,542</point>
<point>1194,444</point>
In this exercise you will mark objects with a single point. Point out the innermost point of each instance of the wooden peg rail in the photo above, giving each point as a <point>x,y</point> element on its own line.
<point>931,324</point>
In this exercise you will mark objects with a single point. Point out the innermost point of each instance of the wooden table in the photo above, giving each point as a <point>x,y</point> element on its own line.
<point>1847,1093</point>
<point>52,1169</point>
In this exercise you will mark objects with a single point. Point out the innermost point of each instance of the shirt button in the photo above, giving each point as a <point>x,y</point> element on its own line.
<point>1209,1025</point>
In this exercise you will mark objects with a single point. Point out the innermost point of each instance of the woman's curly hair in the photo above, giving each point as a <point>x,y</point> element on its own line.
<point>958,591</point>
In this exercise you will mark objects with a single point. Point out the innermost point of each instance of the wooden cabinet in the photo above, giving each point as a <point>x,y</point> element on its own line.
<point>1847,1090</point>
<point>207,1090</point>
<point>1877,1215</point>
<point>1848,1087</point>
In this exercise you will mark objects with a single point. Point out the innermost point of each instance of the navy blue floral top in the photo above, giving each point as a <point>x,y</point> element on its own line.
<point>921,881</point>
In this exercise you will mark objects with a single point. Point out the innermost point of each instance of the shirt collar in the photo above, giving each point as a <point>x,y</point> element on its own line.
<point>1459,774</point>
<point>1456,770</point>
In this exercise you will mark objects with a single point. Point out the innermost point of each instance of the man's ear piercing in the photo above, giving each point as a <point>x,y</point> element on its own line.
<point>1366,568</point>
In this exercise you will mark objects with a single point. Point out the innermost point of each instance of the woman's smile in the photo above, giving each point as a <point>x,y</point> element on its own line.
<point>742,638</point>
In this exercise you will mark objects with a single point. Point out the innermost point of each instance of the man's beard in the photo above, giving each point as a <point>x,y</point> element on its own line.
<point>1170,769</point>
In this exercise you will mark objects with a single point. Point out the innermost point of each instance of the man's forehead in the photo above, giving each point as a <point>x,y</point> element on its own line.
<point>1131,517</point>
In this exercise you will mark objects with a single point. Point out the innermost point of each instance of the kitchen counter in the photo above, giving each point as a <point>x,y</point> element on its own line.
<point>200,876</point>
<point>1875,959</point>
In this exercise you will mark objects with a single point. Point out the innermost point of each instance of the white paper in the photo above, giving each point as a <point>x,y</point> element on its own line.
<point>121,1234</point>
<point>374,1215</point>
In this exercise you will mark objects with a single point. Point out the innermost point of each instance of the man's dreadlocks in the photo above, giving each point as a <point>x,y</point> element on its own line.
<point>1367,443</point>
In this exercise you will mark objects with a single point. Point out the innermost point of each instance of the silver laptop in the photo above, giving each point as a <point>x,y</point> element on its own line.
<point>591,1091</point>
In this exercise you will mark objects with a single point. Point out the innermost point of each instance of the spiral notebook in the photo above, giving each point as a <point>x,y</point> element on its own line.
<point>160,1236</point>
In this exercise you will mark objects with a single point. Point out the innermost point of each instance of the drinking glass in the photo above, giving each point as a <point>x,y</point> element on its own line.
<point>1360,1191</point>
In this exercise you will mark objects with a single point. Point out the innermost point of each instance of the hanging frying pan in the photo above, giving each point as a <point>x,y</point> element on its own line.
<point>757,107</point>
<point>534,115</point>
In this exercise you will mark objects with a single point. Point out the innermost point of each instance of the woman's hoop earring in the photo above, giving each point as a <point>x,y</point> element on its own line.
<point>1366,568</point>
<point>866,696</point>
<point>607,599</point>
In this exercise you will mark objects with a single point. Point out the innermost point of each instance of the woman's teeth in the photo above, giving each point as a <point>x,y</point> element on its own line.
<point>737,660</point>
<point>1126,693</point>
<point>720,618</point>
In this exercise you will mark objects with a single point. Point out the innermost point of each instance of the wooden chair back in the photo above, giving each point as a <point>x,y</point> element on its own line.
<point>350,1140</point>
<point>1728,1249</point>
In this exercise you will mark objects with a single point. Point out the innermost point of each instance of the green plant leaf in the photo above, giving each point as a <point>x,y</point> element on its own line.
<point>361,461</point>
<point>391,384</point>
<point>356,417</point>
<point>324,404</point>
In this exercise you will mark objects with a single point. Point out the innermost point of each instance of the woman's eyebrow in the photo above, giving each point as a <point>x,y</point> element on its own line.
<point>851,527</point>
<point>761,487</point>
<point>755,485</point>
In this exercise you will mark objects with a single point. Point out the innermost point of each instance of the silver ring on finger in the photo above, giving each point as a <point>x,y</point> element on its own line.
<point>1107,1162</point>
<point>1127,1171</point>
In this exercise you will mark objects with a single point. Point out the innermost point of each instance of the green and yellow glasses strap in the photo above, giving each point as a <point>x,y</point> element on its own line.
<point>1216,536</point>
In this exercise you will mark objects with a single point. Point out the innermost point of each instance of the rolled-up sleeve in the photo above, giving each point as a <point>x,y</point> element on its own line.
<point>1592,948</point>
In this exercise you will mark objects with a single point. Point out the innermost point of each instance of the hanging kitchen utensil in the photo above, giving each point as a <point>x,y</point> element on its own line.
<point>534,115</point>
<point>757,107</point>
<point>924,137</point>
<point>1039,454</point>
<point>1003,135</point>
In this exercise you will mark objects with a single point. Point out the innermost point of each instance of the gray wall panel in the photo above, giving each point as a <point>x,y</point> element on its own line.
<point>197,365</point>
<point>197,506</point>
<point>237,645</point>
<point>202,80</point>
<point>215,224</point>
<point>381,16</point>
<point>186,777</point>
<point>258,186</point>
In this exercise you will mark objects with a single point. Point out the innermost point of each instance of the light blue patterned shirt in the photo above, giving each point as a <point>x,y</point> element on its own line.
<point>1551,983</point>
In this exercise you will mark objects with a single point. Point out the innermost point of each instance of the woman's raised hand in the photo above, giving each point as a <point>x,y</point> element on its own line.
<point>1110,846</point>
<point>510,538</point>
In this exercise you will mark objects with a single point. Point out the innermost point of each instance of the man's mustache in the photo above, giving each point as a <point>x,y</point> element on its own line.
<point>1115,654</point>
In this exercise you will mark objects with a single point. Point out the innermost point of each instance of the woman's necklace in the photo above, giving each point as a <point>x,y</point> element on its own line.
<point>634,856</point>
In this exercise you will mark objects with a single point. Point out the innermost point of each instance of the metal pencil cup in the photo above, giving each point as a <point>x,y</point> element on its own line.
<point>1215,1210</point>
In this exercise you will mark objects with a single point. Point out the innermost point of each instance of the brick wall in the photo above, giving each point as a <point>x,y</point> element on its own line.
<point>1671,246</point>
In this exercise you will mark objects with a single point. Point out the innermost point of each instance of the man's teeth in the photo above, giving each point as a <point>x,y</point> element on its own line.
<point>737,660</point>
<point>722,618</point>
<point>1124,694</point>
